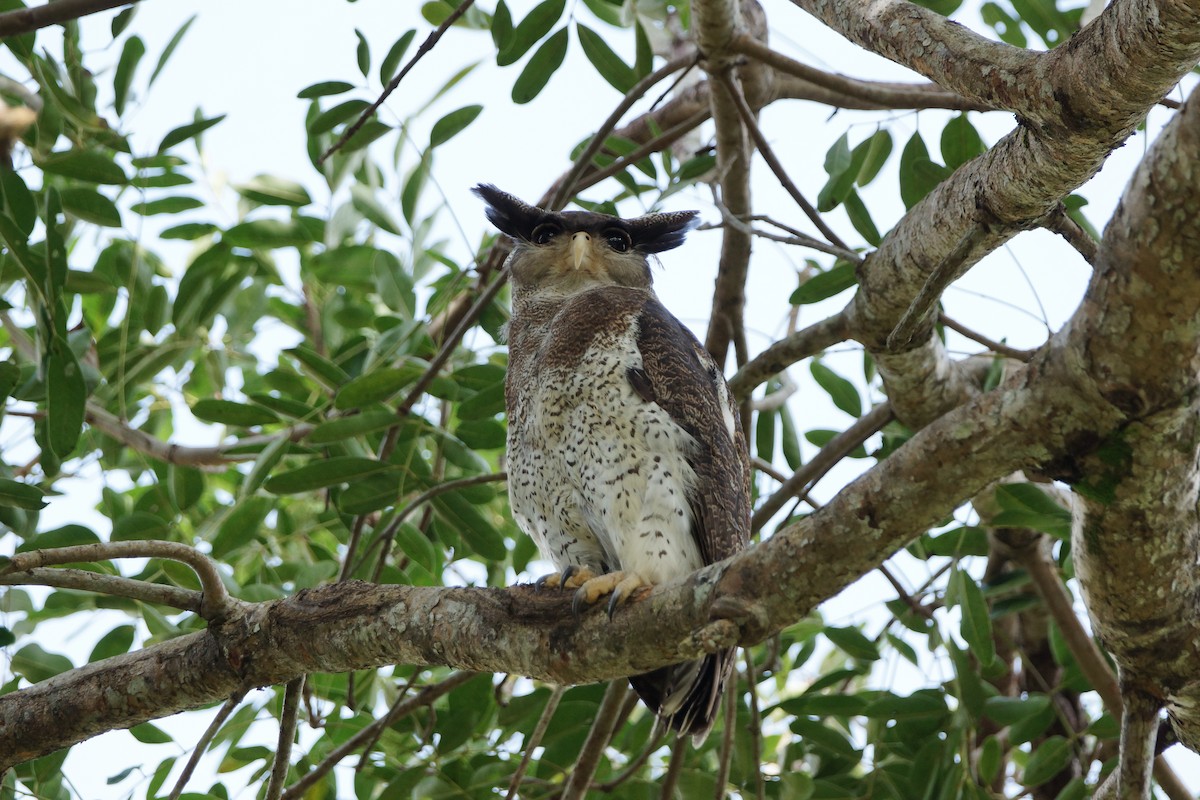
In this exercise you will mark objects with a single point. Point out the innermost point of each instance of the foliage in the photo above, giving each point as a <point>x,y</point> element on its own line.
<point>311,335</point>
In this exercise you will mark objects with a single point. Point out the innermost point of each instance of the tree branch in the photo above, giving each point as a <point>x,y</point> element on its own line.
<point>24,20</point>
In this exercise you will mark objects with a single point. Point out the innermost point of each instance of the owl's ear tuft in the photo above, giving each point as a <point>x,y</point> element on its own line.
<point>655,233</point>
<point>508,213</point>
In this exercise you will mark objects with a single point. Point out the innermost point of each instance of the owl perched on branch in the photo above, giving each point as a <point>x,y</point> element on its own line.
<point>627,465</point>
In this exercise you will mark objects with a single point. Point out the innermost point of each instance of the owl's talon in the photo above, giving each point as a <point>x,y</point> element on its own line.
<point>572,577</point>
<point>620,586</point>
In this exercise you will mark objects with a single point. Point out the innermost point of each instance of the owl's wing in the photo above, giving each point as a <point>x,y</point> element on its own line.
<point>681,377</point>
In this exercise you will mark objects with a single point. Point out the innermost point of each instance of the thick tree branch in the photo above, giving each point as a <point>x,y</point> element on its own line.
<point>1135,548</point>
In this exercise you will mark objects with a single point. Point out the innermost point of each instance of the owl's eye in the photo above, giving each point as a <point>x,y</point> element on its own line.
<point>545,232</point>
<point>618,239</point>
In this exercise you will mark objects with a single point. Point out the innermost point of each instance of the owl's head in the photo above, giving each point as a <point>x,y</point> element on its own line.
<point>573,250</point>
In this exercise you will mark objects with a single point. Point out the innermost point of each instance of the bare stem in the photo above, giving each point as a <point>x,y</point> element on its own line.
<point>287,732</point>
<point>369,111</point>
<point>202,744</point>
<point>597,740</point>
<point>114,585</point>
<point>216,602</point>
<point>534,739</point>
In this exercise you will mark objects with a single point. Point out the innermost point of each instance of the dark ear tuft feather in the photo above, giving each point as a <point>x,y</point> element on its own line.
<point>655,233</point>
<point>510,214</point>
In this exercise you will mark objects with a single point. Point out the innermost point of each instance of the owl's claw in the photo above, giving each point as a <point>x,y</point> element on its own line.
<point>620,586</point>
<point>572,577</point>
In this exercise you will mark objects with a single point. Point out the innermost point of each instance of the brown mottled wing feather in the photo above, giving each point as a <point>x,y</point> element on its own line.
<point>689,386</point>
<point>681,377</point>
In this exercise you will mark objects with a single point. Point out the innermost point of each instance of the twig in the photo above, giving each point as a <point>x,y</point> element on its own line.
<point>113,585</point>
<point>636,764</point>
<point>903,594</point>
<point>369,111</point>
<point>942,276</point>
<point>760,141</point>
<point>660,142</point>
<point>183,455</point>
<point>287,732</point>
<point>996,347</point>
<point>401,709</point>
<point>202,744</point>
<point>674,767</point>
<point>760,787</point>
<point>566,187</point>
<point>727,735</point>
<point>427,495</point>
<point>767,468</point>
<point>1061,223</point>
<point>833,452</point>
<point>883,95</point>
<point>24,20</point>
<point>215,604</point>
<point>597,740</point>
<point>534,739</point>
<point>794,237</point>
<point>798,346</point>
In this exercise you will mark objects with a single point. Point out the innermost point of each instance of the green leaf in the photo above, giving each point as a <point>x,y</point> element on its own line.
<point>451,124</point>
<point>840,390</point>
<point>320,474</point>
<point>502,27</point>
<point>15,494</point>
<point>131,54</point>
<point>374,387</point>
<point>227,412</point>
<point>372,493</point>
<point>147,733</point>
<point>1006,27</point>
<point>470,524</point>
<point>90,206</point>
<point>1050,758</point>
<point>960,142</point>
<point>356,425</point>
<point>826,284</point>
<point>18,201</point>
<point>366,203</point>
<point>328,373</point>
<point>789,440</point>
<point>879,147</point>
<point>1024,505</point>
<point>170,49</point>
<point>548,58</point>
<point>391,62</point>
<point>483,404</point>
<point>330,118</point>
<point>362,53</point>
<point>764,435</point>
<point>36,665</point>
<point>837,157</point>
<point>413,185</point>
<point>536,24</point>
<point>417,546</point>
<point>166,205</point>
<point>268,234</point>
<point>976,625</point>
<point>853,643</point>
<point>1011,710</point>
<point>189,131</point>
<point>324,89</point>
<point>918,173</point>
<point>85,165</point>
<point>113,643</point>
<point>66,394</point>
<point>189,231</point>
<point>272,191</point>
<point>608,64</point>
<point>921,705</point>
<point>860,218</point>
<point>138,526</point>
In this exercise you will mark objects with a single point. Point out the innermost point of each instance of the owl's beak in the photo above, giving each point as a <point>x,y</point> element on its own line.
<point>580,242</point>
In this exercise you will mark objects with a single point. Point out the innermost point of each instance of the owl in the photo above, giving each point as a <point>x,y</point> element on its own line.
<point>627,464</point>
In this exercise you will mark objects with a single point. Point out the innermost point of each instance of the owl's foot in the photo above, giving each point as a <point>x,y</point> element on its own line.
<point>572,577</point>
<point>620,586</point>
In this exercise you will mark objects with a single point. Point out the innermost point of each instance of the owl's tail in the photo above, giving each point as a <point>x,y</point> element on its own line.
<point>687,696</point>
